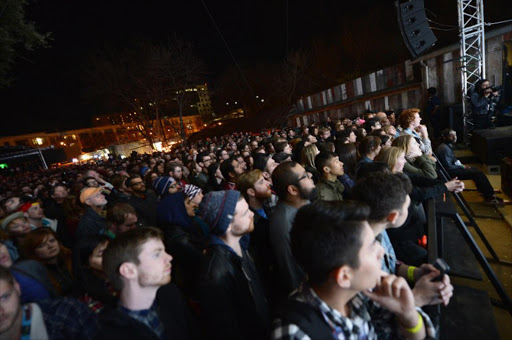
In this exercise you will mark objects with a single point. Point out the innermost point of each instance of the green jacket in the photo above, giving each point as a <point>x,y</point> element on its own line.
<point>330,190</point>
<point>423,166</point>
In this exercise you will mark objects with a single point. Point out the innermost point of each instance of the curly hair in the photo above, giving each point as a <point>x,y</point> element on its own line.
<point>407,117</point>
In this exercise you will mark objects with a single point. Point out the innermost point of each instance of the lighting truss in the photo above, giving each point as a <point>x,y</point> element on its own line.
<point>472,55</point>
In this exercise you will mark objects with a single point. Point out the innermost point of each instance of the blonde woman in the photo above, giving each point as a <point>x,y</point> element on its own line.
<point>417,162</point>
<point>307,160</point>
<point>394,157</point>
<point>423,187</point>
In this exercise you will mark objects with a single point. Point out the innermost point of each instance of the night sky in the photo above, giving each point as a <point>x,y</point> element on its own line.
<point>48,92</point>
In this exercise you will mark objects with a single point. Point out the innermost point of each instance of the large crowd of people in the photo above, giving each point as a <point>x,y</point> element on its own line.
<point>309,233</point>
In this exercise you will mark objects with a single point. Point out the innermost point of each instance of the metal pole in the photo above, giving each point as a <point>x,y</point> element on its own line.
<point>42,159</point>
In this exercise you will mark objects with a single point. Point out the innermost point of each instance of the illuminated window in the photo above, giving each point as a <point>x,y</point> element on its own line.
<point>37,141</point>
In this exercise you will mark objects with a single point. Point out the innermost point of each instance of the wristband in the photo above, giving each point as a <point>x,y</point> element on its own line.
<point>418,327</point>
<point>410,273</point>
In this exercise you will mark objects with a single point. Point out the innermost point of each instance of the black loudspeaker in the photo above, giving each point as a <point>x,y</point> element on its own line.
<point>506,176</point>
<point>491,145</point>
<point>414,27</point>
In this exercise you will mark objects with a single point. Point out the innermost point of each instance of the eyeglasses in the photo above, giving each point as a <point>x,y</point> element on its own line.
<point>306,175</point>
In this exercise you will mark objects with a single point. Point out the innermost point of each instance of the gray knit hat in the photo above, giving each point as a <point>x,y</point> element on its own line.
<point>217,209</point>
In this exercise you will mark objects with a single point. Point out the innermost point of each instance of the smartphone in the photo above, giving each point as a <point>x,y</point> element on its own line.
<point>443,267</point>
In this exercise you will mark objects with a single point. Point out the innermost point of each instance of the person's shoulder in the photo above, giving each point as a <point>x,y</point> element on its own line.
<point>31,266</point>
<point>443,147</point>
<point>283,330</point>
<point>217,263</point>
<point>115,324</point>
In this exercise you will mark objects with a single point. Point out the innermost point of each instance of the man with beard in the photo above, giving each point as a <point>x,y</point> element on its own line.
<point>149,307</point>
<point>256,191</point>
<point>144,202</point>
<point>295,188</point>
<point>230,170</point>
<point>267,164</point>
<point>232,299</point>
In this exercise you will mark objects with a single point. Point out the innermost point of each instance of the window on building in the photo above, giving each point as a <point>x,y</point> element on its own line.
<point>37,141</point>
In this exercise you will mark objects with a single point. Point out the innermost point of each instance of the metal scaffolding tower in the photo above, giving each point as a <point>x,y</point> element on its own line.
<point>472,55</point>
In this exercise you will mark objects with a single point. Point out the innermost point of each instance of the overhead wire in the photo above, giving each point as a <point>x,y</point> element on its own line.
<point>227,47</point>
<point>444,29</point>
<point>442,25</point>
<point>498,22</point>
<point>231,54</point>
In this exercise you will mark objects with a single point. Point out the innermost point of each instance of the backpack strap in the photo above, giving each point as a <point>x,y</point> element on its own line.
<point>309,319</point>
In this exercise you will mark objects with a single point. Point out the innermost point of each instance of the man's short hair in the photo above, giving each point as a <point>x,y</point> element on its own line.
<point>281,157</point>
<point>201,155</point>
<point>117,181</point>
<point>6,275</point>
<point>446,132</point>
<point>171,166</point>
<point>51,192</point>
<point>327,235</point>
<point>282,177</point>
<point>382,193</point>
<point>247,180</point>
<point>323,130</point>
<point>129,180</point>
<point>280,146</point>
<point>368,144</point>
<point>226,167</point>
<point>323,159</point>
<point>126,247</point>
<point>118,212</point>
<point>260,161</point>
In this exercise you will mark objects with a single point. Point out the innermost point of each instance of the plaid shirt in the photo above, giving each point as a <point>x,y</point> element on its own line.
<point>68,318</point>
<point>149,317</point>
<point>367,320</point>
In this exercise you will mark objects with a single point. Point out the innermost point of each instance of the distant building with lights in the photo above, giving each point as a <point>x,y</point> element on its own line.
<point>103,135</point>
<point>204,104</point>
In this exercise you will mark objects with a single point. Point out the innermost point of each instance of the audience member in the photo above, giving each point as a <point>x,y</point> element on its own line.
<point>149,306</point>
<point>329,187</point>
<point>43,245</point>
<point>232,299</point>
<point>346,294</point>
<point>92,221</point>
<point>295,188</point>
